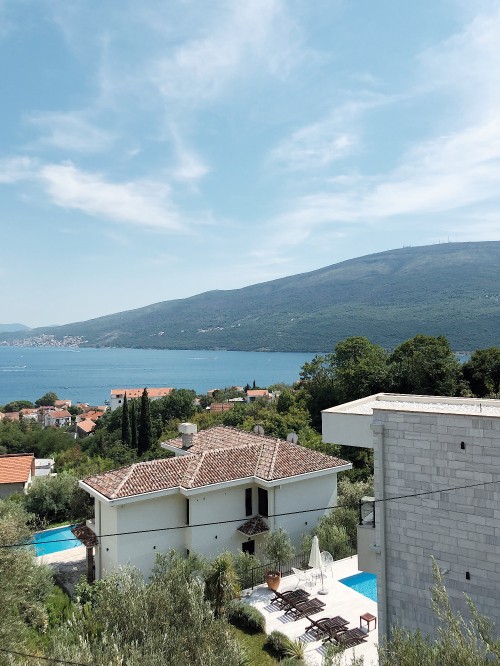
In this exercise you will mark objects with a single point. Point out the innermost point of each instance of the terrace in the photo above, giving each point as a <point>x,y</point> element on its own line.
<point>340,600</point>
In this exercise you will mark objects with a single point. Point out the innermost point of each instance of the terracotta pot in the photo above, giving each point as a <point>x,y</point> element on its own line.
<point>273,579</point>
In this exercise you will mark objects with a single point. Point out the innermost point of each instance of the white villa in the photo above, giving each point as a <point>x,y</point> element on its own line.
<point>117,395</point>
<point>223,490</point>
<point>445,452</point>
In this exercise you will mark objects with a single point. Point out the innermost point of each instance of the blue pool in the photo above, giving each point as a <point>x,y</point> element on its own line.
<point>364,583</point>
<point>52,541</point>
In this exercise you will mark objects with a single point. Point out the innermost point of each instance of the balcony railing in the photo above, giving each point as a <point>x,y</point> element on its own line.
<point>367,511</point>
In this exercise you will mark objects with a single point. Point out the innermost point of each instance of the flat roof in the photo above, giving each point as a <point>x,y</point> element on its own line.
<point>419,403</point>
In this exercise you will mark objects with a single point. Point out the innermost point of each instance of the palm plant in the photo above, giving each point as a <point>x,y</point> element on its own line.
<point>221,583</point>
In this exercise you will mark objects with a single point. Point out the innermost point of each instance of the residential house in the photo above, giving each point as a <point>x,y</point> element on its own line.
<point>437,495</point>
<point>220,406</point>
<point>255,394</point>
<point>62,404</point>
<point>29,413</point>
<point>223,490</point>
<point>11,416</point>
<point>84,428</point>
<point>44,467</point>
<point>57,418</point>
<point>16,473</point>
<point>118,395</point>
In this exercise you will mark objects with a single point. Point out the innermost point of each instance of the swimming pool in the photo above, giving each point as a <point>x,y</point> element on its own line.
<point>52,541</point>
<point>364,583</point>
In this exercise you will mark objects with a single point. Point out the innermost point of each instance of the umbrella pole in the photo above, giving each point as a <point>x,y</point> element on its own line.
<point>323,589</point>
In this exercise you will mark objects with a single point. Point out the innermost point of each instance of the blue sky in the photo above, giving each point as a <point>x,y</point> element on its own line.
<point>154,150</point>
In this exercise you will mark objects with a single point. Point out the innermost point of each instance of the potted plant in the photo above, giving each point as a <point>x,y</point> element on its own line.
<point>278,549</point>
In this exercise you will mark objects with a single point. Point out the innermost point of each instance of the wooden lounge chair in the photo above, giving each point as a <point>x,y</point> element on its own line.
<point>305,608</point>
<point>286,599</point>
<point>325,626</point>
<point>349,638</point>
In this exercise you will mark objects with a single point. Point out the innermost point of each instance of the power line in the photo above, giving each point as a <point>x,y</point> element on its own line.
<point>37,656</point>
<point>274,515</point>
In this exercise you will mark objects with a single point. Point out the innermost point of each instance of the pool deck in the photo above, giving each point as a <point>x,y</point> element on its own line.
<point>68,566</point>
<point>340,600</point>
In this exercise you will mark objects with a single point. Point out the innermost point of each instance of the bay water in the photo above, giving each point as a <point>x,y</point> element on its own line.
<point>88,375</point>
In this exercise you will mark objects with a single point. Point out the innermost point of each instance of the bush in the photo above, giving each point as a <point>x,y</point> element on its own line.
<point>278,643</point>
<point>246,617</point>
<point>243,565</point>
<point>59,607</point>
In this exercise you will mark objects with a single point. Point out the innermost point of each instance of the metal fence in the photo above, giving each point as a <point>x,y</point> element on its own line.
<point>258,574</point>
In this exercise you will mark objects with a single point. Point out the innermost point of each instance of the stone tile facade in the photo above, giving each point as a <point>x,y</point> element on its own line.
<point>420,452</point>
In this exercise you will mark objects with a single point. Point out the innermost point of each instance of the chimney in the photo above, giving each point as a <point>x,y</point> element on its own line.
<point>187,431</point>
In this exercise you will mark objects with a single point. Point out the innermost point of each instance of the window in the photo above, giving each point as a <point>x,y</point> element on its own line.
<point>187,512</point>
<point>248,502</point>
<point>263,504</point>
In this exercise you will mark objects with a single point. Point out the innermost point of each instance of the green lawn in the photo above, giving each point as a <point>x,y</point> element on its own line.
<point>254,647</point>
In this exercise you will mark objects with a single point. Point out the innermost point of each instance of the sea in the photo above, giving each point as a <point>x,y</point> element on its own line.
<point>88,375</point>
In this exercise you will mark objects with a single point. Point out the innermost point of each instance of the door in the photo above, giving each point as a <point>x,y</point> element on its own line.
<point>248,547</point>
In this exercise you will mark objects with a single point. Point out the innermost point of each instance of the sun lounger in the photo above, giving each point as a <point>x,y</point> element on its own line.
<point>348,638</point>
<point>286,599</point>
<point>305,608</point>
<point>325,626</point>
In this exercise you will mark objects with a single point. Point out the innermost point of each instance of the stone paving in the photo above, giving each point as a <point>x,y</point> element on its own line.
<point>340,600</point>
<point>67,565</point>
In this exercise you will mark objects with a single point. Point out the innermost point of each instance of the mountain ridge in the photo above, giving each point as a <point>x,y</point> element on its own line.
<point>451,289</point>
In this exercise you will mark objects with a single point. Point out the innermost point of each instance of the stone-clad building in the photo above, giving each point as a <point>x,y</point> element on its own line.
<point>424,444</point>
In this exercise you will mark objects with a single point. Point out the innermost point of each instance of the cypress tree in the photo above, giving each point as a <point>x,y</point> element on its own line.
<point>126,439</point>
<point>145,430</point>
<point>133,425</point>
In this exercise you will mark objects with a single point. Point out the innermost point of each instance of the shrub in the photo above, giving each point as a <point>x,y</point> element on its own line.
<point>278,643</point>
<point>278,547</point>
<point>243,565</point>
<point>246,617</point>
<point>59,606</point>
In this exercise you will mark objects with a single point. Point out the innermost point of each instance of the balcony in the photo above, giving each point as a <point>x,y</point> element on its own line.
<point>368,550</point>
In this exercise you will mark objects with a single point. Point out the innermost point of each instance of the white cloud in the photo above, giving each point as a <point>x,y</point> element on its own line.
<point>16,169</point>
<point>190,167</point>
<point>331,139</point>
<point>71,132</point>
<point>245,36</point>
<point>141,203</point>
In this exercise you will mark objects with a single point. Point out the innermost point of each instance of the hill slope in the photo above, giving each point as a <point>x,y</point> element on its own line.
<point>9,328</point>
<point>451,289</point>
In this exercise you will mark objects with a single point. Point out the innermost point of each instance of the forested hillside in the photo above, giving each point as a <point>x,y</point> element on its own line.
<point>451,289</point>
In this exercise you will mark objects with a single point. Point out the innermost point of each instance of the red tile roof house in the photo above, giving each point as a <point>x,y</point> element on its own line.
<point>57,418</point>
<point>117,395</point>
<point>209,498</point>
<point>16,473</point>
<point>255,394</point>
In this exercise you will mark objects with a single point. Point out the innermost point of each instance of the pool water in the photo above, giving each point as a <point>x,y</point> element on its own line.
<point>52,541</point>
<point>364,583</point>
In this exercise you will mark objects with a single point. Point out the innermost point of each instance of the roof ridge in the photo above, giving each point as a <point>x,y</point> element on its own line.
<point>126,478</point>
<point>274,457</point>
<point>192,469</point>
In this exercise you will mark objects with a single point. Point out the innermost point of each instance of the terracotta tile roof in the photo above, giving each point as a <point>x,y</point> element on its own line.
<point>137,392</point>
<point>15,468</point>
<point>62,403</point>
<point>256,525</point>
<point>87,425</point>
<point>93,415</point>
<point>217,455</point>
<point>59,414</point>
<point>257,393</point>
<point>11,416</point>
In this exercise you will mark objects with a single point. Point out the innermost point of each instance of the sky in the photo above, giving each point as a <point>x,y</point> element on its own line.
<point>154,150</point>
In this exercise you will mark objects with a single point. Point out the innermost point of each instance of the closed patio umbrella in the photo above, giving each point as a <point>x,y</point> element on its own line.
<point>315,562</point>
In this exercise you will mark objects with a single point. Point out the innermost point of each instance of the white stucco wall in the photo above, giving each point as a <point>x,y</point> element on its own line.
<point>301,496</point>
<point>7,489</point>
<point>106,553</point>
